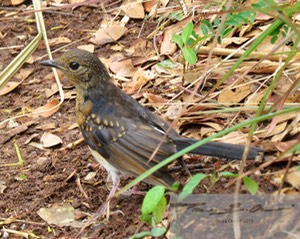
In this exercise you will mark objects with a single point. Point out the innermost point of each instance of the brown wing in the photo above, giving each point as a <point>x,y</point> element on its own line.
<point>128,146</point>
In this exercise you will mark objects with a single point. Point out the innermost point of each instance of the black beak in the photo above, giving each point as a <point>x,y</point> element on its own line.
<point>50,63</point>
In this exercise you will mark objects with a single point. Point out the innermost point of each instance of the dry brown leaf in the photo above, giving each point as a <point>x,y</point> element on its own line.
<point>109,34</point>
<point>47,110</point>
<point>148,5</point>
<point>2,186</point>
<point>293,177</point>
<point>236,40</point>
<point>154,100</point>
<point>267,46</point>
<point>31,137</point>
<point>47,126</point>
<point>206,131</point>
<point>61,215</point>
<point>76,1</point>
<point>133,9</point>
<point>88,47</point>
<point>9,86</point>
<point>215,126</point>
<point>53,90</point>
<point>235,137</point>
<point>30,60</point>
<point>174,111</point>
<point>16,2</point>
<point>284,146</point>
<point>23,74</point>
<point>123,68</point>
<point>254,99</point>
<point>59,40</point>
<point>230,96</point>
<point>138,80</point>
<point>49,140</point>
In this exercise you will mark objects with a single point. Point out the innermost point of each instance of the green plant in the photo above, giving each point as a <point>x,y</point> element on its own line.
<point>153,207</point>
<point>185,42</point>
<point>250,184</point>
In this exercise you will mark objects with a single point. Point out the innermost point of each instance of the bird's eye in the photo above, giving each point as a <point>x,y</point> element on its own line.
<point>74,65</point>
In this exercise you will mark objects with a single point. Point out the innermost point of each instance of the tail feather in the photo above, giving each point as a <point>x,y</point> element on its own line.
<point>218,149</point>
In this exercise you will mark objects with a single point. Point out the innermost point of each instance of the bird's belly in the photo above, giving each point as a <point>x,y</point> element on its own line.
<point>112,171</point>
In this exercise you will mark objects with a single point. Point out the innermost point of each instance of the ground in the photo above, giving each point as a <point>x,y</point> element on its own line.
<point>58,174</point>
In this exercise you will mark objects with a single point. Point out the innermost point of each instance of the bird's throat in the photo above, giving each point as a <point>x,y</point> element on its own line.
<point>83,107</point>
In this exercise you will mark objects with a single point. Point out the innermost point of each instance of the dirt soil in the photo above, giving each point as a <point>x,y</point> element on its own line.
<point>52,176</point>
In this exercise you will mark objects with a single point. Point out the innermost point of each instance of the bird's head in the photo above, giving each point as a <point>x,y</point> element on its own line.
<point>81,67</point>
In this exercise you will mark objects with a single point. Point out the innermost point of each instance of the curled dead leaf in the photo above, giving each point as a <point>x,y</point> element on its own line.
<point>107,35</point>
<point>10,86</point>
<point>49,140</point>
<point>47,110</point>
<point>133,9</point>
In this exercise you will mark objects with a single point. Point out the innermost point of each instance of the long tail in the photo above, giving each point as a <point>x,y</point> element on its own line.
<point>218,149</point>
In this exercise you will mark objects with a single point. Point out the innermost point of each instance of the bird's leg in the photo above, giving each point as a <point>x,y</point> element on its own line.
<point>105,207</point>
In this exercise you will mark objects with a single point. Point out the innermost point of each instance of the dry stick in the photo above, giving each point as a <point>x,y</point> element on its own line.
<point>286,171</point>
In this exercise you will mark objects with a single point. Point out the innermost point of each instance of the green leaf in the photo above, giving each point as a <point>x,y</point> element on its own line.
<point>176,16</point>
<point>191,185</point>
<point>232,22</point>
<point>186,32</point>
<point>189,55</point>
<point>298,169</point>
<point>140,235</point>
<point>146,218</point>
<point>152,199</point>
<point>158,212</point>
<point>274,39</point>
<point>226,32</point>
<point>167,64</point>
<point>178,40</point>
<point>213,178</point>
<point>158,231</point>
<point>250,184</point>
<point>229,174</point>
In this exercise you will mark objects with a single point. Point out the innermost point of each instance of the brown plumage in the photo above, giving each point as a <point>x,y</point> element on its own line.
<point>121,133</point>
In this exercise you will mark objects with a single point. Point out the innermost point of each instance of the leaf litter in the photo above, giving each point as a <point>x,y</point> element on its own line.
<point>150,68</point>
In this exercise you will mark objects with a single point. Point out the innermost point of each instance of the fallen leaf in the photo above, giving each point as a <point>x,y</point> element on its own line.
<point>2,186</point>
<point>133,9</point>
<point>148,5</point>
<point>90,176</point>
<point>23,74</point>
<point>236,96</point>
<point>174,111</point>
<point>88,47</point>
<point>60,215</point>
<point>109,34</point>
<point>236,40</point>
<point>138,80</point>
<point>284,146</point>
<point>59,40</point>
<point>16,2</point>
<point>53,90</point>
<point>47,110</point>
<point>49,140</point>
<point>11,85</point>
<point>122,68</point>
<point>293,177</point>
<point>8,87</point>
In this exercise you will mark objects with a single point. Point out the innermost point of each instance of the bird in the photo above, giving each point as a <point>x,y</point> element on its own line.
<point>120,132</point>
